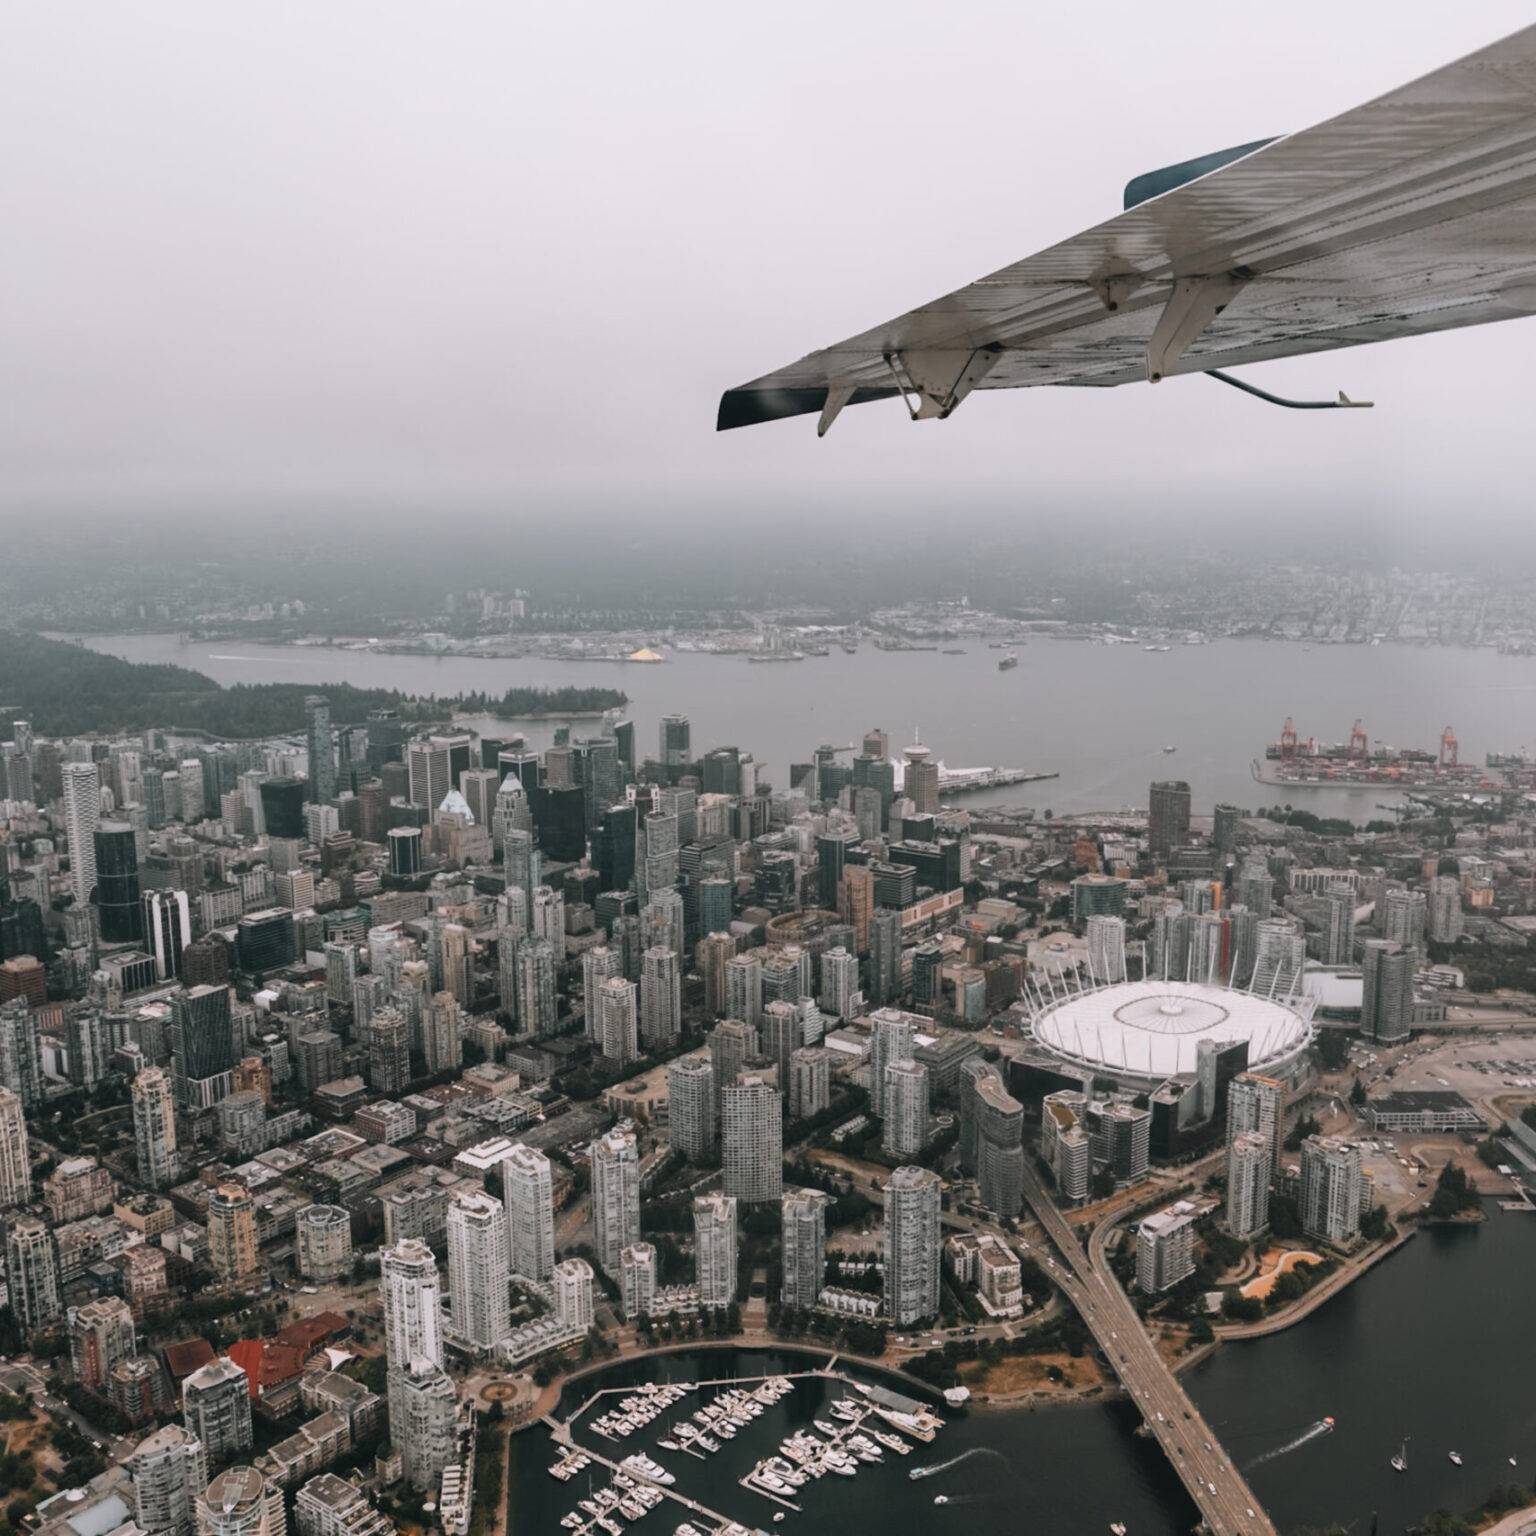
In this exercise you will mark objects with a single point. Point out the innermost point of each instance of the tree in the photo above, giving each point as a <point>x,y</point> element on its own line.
<point>1374,1224</point>
<point>1357,1094</point>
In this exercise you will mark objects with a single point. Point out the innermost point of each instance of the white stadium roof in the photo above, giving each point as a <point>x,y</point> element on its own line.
<point>1153,1029</point>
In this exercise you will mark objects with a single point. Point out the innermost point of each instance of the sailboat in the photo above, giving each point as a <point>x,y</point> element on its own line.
<point>1400,1461</point>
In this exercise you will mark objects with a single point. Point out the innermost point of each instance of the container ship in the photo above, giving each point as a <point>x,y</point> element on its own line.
<point>1293,761</point>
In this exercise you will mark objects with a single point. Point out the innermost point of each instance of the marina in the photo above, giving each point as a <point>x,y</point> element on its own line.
<point>860,1428</point>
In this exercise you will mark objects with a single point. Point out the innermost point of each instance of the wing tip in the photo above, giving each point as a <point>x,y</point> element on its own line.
<point>748,407</point>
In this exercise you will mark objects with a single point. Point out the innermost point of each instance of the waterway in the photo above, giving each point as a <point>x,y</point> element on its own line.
<point>1098,715</point>
<point>1433,1344</point>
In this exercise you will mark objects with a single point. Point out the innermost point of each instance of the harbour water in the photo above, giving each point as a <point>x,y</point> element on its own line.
<point>1433,1345</point>
<point>1099,715</point>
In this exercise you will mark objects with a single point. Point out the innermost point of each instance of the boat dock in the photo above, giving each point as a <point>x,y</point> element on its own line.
<point>864,1402</point>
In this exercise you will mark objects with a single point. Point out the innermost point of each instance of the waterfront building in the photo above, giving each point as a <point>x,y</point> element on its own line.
<point>804,1248</point>
<point>637,1279</point>
<point>573,1294</point>
<point>911,1246</point>
<point>1331,1182</point>
<point>1165,1247</point>
<point>422,1427</point>
<point>714,1248</point>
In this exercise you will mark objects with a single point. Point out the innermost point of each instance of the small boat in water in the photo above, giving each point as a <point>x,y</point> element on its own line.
<point>1456,1458</point>
<point>941,1498</point>
<point>1400,1461</point>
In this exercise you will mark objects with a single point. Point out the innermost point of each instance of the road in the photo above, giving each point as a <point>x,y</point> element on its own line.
<point>26,1380</point>
<point>1226,1502</point>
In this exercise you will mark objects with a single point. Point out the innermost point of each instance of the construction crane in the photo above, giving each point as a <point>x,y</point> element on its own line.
<point>1359,742</point>
<point>1448,748</point>
<point>1288,738</point>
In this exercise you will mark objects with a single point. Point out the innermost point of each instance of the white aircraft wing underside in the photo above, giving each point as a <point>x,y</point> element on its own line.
<point>1413,213</point>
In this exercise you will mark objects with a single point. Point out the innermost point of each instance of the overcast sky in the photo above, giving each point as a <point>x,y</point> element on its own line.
<point>467,257</point>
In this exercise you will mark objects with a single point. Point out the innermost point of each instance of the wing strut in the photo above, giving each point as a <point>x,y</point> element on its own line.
<point>1193,304</point>
<point>1343,403</point>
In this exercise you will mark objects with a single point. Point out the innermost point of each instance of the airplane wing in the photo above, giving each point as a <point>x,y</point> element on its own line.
<point>1413,213</point>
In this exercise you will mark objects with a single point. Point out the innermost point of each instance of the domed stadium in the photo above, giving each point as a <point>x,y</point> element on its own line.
<point>1148,1031</point>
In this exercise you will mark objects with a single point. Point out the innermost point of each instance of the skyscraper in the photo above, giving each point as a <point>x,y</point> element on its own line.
<point>1257,1103</point>
<point>21,1062</point>
<point>1330,1188</point>
<point>732,1045</point>
<point>1281,958</point>
<point>892,1041</point>
<point>1248,1176</point>
<point>906,1108</point>
<point>389,1051</point>
<point>423,1416</point>
<point>744,989</point>
<point>617,1033</point>
<point>615,1197</point>
<point>691,1107</point>
<point>911,1248</point>
<point>884,955</point>
<point>118,913</point>
<point>232,1232</point>
<point>32,1273</point>
<point>804,1232</point>
<point>241,1502</point>
<point>321,787</point>
<point>1444,913</point>
<point>1386,1007</point>
<point>527,1190</point>
<point>676,741</point>
<point>714,1247</point>
<point>537,1013</point>
<point>167,927</point>
<point>661,998</point>
<point>216,1408</point>
<point>752,1140</point>
<point>921,781</point>
<point>323,1242</point>
<point>15,1152</point>
<point>203,1053</point>
<point>1168,819</point>
<point>413,1317</point>
<point>839,981</point>
<point>169,1470</point>
<point>573,1293</point>
<point>412,1299</point>
<point>637,1279</point>
<point>1404,918</point>
<point>101,1333</point>
<point>999,1146</point>
<point>443,1041</point>
<point>782,1034</point>
<point>154,1128</point>
<point>478,1270</point>
<point>1106,948</point>
<point>82,816</point>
